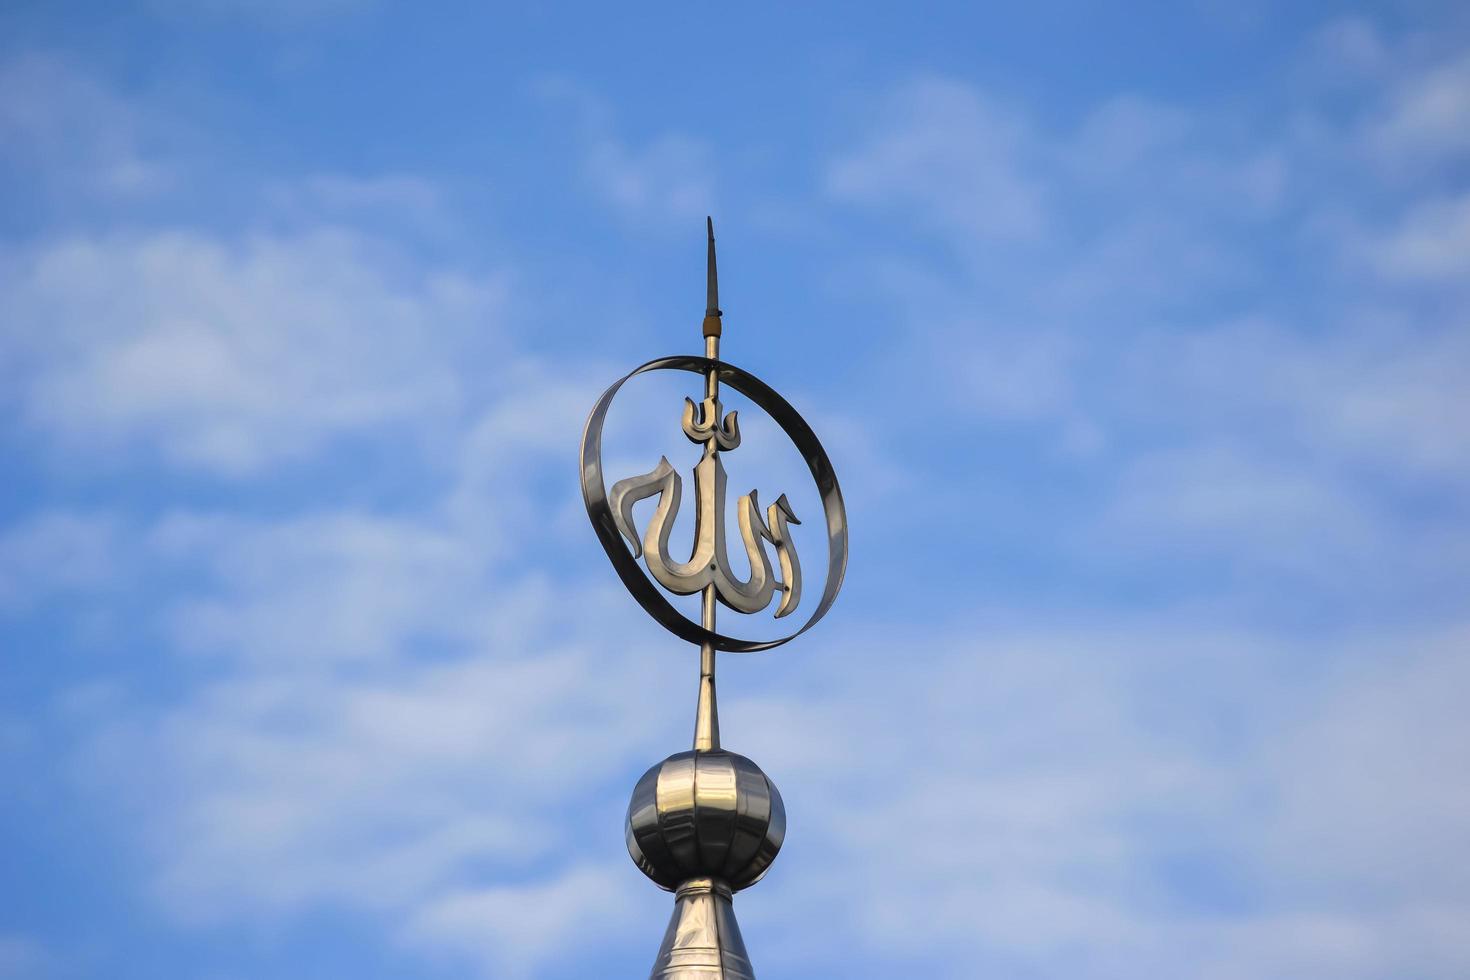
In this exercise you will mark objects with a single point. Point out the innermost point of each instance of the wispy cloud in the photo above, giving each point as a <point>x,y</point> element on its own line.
<point>231,355</point>
<point>56,551</point>
<point>518,931</point>
<point>1149,417</point>
<point>955,156</point>
<point>1067,795</point>
<point>83,136</point>
<point>665,181</point>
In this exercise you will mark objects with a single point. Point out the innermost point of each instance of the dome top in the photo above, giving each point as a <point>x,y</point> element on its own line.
<point>705,815</point>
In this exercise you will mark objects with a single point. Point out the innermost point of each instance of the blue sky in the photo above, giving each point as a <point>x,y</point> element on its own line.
<point>1140,338</point>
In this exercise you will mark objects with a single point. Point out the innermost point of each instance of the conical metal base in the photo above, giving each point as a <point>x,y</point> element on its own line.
<point>703,941</point>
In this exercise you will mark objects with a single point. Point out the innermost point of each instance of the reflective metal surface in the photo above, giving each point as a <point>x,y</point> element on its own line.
<point>610,529</point>
<point>709,564</point>
<point>705,814</point>
<point>706,712</point>
<point>707,823</point>
<point>703,940</point>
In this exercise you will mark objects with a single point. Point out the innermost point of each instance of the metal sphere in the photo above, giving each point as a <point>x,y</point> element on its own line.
<point>705,815</point>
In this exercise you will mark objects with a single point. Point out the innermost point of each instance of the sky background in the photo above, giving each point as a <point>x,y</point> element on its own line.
<point>1139,336</point>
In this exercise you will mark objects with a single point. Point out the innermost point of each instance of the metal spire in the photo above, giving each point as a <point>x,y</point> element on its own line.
<point>712,285</point>
<point>708,822</point>
<point>706,710</point>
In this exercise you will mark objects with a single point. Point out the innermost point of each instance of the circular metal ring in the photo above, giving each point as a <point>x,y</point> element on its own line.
<point>594,494</point>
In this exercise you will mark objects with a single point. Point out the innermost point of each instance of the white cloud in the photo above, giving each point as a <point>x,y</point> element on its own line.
<point>400,718</point>
<point>368,586</point>
<point>395,724</point>
<point>73,132</point>
<point>1098,332</point>
<point>292,788</point>
<point>957,157</point>
<point>55,552</point>
<point>1426,115</point>
<point>365,201</point>
<point>667,180</point>
<point>1028,801</point>
<point>1128,133</point>
<point>516,931</point>
<point>397,715</point>
<point>1347,49</point>
<point>437,780</point>
<point>1369,784</point>
<point>1376,389</point>
<point>1235,505</point>
<point>233,356</point>
<point>1432,244</point>
<point>1155,796</point>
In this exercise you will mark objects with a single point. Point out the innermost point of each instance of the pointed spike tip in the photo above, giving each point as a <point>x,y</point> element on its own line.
<point>712,279</point>
<point>712,285</point>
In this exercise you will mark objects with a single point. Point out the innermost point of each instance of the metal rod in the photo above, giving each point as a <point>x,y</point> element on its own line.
<point>707,712</point>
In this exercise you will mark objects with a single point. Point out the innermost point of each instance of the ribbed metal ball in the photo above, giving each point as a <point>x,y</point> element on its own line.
<point>705,815</point>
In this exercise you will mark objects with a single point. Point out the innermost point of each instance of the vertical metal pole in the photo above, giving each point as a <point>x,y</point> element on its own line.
<point>707,714</point>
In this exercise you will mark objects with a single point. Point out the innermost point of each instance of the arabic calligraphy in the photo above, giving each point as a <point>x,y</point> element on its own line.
<point>709,562</point>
